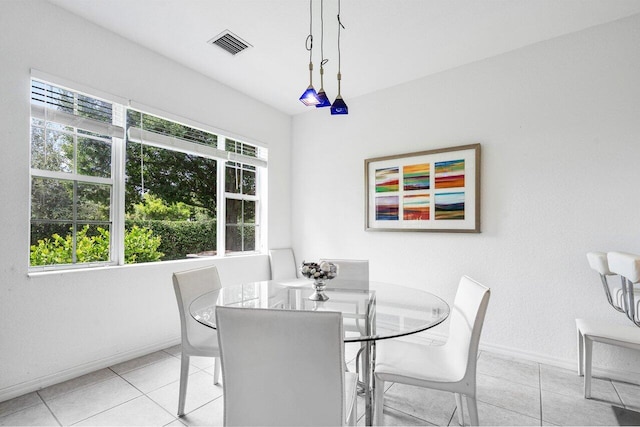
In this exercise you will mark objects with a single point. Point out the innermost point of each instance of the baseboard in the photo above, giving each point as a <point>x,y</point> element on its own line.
<point>76,371</point>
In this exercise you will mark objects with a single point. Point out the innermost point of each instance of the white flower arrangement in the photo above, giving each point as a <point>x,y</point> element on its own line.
<point>319,271</point>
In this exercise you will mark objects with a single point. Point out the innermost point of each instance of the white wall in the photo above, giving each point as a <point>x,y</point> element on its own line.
<point>58,325</point>
<point>559,124</point>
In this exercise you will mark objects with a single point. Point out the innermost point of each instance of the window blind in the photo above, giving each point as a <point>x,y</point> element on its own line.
<point>55,104</point>
<point>146,137</point>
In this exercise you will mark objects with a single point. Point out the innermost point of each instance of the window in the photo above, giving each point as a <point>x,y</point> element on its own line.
<point>240,200</point>
<point>171,192</point>
<point>71,176</point>
<point>100,195</point>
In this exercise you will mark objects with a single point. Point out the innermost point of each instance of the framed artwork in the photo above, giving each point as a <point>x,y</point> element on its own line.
<point>435,190</point>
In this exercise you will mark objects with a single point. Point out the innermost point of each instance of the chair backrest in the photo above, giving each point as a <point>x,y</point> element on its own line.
<point>188,285</point>
<point>352,273</point>
<point>598,262</point>
<point>283,264</point>
<point>625,264</point>
<point>281,367</point>
<point>467,317</point>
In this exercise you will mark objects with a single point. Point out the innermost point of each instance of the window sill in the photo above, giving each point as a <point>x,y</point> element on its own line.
<point>104,267</point>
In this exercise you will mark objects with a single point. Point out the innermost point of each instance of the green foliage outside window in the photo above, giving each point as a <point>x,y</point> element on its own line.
<point>181,238</point>
<point>153,207</point>
<point>140,246</point>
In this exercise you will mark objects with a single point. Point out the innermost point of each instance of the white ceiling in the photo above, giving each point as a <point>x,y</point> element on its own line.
<point>384,43</point>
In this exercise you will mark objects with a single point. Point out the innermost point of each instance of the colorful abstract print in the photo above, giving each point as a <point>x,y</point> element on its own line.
<point>449,174</point>
<point>416,177</point>
<point>387,179</point>
<point>387,208</point>
<point>416,207</point>
<point>450,205</point>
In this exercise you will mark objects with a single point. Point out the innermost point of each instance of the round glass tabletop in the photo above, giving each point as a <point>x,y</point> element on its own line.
<point>370,310</point>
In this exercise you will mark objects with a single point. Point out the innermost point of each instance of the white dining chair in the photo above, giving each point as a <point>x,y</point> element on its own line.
<point>598,262</point>
<point>284,367</point>
<point>197,339</point>
<point>352,273</point>
<point>283,264</point>
<point>448,367</point>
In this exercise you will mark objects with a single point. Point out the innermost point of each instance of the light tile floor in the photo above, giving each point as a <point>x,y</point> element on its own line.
<point>144,392</point>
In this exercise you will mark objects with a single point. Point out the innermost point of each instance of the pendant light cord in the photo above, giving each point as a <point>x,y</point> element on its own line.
<point>321,31</point>
<point>323,61</point>
<point>309,42</point>
<point>339,25</point>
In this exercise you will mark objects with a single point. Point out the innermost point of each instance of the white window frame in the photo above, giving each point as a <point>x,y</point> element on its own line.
<point>248,197</point>
<point>115,131</point>
<point>118,166</point>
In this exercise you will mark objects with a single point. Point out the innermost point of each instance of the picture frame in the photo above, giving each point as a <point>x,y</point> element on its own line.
<point>435,190</point>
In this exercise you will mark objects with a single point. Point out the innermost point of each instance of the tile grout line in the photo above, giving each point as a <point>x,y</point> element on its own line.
<point>540,390</point>
<point>451,417</point>
<point>403,412</point>
<point>48,408</point>
<point>411,415</point>
<point>136,397</point>
<point>76,389</point>
<point>507,409</point>
<point>175,417</point>
<point>151,391</point>
<point>147,396</point>
<point>6,414</point>
<point>618,394</point>
<point>105,410</point>
<point>147,365</point>
<point>122,403</point>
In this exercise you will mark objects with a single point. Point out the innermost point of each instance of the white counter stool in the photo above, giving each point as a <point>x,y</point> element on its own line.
<point>590,331</point>
<point>627,266</point>
<point>598,262</point>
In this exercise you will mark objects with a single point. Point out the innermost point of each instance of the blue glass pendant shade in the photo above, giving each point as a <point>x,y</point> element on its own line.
<point>339,106</point>
<point>324,100</point>
<point>309,97</point>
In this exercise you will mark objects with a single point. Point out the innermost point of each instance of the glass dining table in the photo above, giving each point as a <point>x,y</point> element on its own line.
<point>371,311</point>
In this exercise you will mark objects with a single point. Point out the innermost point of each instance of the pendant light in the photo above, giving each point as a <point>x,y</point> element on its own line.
<point>322,96</point>
<point>339,106</point>
<point>309,97</point>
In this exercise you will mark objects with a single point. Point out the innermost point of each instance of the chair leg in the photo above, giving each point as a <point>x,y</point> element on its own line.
<point>588,350</point>
<point>184,377</point>
<point>580,353</point>
<point>459,408</point>
<point>216,370</point>
<point>353,416</point>
<point>472,407</point>
<point>358,361</point>
<point>378,403</point>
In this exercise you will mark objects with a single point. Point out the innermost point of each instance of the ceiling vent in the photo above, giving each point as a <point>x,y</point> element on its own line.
<point>229,42</point>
